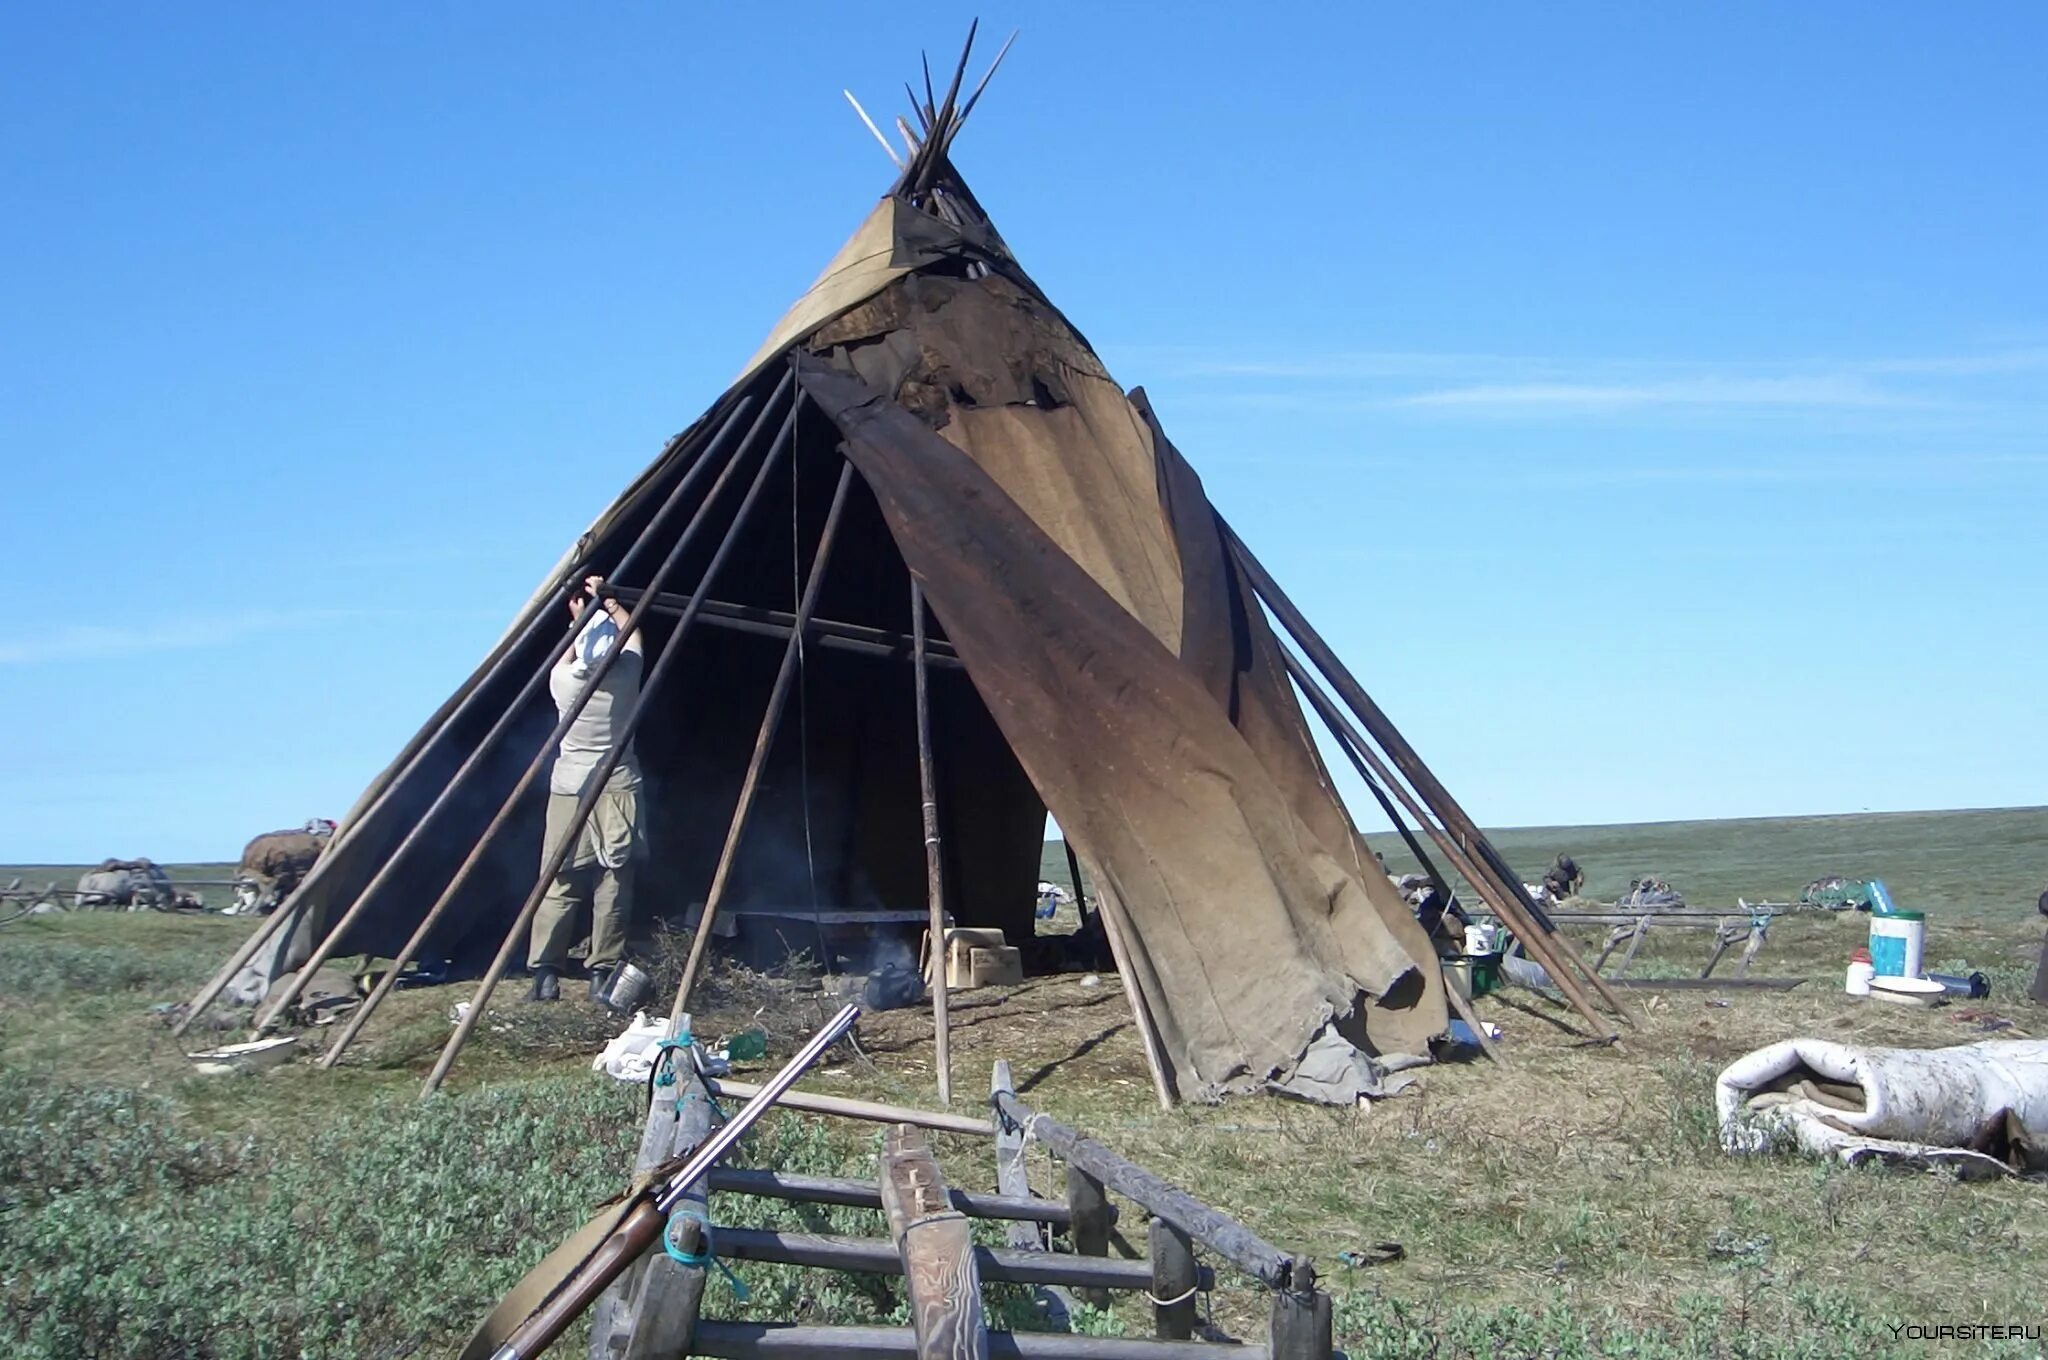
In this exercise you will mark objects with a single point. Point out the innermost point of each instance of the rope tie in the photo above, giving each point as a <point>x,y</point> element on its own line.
<point>664,1058</point>
<point>1158,1302</point>
<point>693,1260</point>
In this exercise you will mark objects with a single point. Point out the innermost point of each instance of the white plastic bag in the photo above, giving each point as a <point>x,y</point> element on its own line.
<point>631,1053</point>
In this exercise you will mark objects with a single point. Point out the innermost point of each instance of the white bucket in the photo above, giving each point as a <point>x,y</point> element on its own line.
<point>1897,939</point>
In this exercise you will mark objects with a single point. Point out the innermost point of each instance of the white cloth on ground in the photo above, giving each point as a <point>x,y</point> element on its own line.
<point>631,1054</point>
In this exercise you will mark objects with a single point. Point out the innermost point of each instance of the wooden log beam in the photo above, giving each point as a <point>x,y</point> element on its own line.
<point>832,633</point>
<point>764,740</point>
<point>872,1111</point>
<point>1021,1211</point>
<point>802,1341</point>
<point>878,1256</point>
<point>935,1248</point>
<point>1213,1228</point>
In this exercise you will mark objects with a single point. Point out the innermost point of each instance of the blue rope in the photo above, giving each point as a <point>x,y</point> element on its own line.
<point>664,1061</point>
<point>704,1259</point>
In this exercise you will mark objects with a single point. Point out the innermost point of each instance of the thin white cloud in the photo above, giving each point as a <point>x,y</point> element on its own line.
<point>1491,384</point>
<point>103,642</point>
<point>1722,393</point>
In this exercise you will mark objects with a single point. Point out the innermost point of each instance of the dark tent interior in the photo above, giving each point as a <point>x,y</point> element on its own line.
<point>837,823</point>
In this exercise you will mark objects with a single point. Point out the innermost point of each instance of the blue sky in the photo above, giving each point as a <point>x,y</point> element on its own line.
<point>1652,403</point>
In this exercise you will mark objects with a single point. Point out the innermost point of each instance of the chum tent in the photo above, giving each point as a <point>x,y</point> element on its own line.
<point>925,423</point>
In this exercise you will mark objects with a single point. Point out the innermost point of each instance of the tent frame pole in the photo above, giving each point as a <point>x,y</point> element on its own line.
<point>934,871</point>
<point>509,807</point>
<point>336,848</point>
<point>500,657</point>
<point>1108,908</point>
<point>1454,817</point>
<point>504,724</point>
<point>764,740</point>
<point>594,784</point>
<point>1369,765</point>
<point>1074,873</point>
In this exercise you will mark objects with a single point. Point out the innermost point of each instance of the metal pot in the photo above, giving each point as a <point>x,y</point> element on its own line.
<point>622,989</point>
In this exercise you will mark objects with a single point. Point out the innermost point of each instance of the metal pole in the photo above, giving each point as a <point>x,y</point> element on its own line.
<point>504,724</point>
<point>771,719</point>
<point>594,785</point>
<point>934,875</point>
<point>509,807</point>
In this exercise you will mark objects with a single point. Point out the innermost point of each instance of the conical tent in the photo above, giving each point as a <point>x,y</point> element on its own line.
<point>1101,653</point>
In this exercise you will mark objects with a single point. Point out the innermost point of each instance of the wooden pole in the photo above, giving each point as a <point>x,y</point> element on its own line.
<point>509,808</point>
<point>506,719</point>
<point>771,719</point>
<point>1301,1325</point>
<point>849,1108</point>
<point>1457,1000</point>
<point>937,1250</point>
<point>934,874</point>
<point>1109,908</point>
<point>1174,1281</point>
<point>1368,764</point>
<point>1213,1228</point>
<point>1074,874</point>
<point>1404,756</point>
<point>594,784</point>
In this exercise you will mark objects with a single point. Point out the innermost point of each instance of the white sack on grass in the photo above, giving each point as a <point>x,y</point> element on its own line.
<point>1981,1108</point>
<point>631,1053</point>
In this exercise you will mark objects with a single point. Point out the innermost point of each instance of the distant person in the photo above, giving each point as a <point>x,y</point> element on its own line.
<point>597,872</point>
<point>2039,991</point>
<point>1563,878</point>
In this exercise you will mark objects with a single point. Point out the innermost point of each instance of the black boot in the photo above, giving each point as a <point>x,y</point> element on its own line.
<point>547,984</point>
<point>600,978</point>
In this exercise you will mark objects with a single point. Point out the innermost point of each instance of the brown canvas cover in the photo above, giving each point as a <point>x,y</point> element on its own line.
<point>1076,564</point>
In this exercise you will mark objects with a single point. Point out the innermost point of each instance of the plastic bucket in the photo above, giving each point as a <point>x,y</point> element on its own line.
<point>1897,939</point>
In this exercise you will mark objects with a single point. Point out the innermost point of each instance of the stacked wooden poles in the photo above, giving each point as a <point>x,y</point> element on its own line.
<point>771,720</point>
<point>934,871</point>
<point>1360,757</point>
<point>1506,898</point>
<point>732,461</point>
<point>594,784</point>
<point>508,719</point>
<point>1370,767</point>
<point>1493,878</point>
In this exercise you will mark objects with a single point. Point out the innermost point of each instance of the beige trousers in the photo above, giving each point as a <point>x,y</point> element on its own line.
<point>587,878</point>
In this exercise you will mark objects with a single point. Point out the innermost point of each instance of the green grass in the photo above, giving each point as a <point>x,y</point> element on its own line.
<point>1575,1205</point>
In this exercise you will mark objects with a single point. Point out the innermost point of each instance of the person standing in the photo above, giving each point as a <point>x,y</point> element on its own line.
<point>598,872</point>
